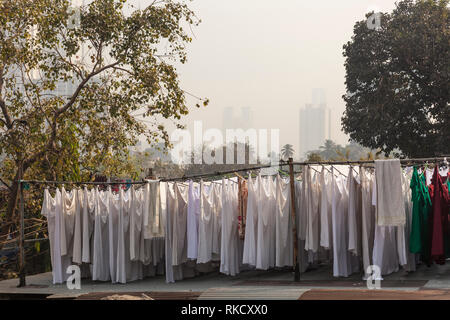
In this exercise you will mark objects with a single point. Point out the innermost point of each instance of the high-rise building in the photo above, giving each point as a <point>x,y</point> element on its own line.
<point>315,123</point>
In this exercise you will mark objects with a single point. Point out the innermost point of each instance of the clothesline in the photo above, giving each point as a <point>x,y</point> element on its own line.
<point>403,161</point>
<point>80,183</point>
<point>221,173</point>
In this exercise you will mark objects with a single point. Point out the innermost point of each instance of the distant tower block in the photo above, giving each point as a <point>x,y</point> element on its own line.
<point>315,123</point>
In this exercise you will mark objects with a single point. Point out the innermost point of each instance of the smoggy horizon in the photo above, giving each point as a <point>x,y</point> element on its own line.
<point>268,57</point>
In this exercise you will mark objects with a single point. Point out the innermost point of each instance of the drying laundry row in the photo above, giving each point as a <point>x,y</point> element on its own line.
<point>351,220</point>
<point>116,237</point>
<point>373,218</point>
<point>181,229</point>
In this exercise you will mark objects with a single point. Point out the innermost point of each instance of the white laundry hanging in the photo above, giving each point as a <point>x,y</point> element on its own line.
<point>283,224</point>
<point>229,251</point>
<point>385,242</point>
<point>390,200</point>
<point>251,228</point>
<point>136,217</point>
<point>129,235</point>
<point>205,223</point>
<point>406,259</point>
<point>344,263</point>
<point>302,255</point>
<point>217,215</point>
<point>354,213</point>
<point>326,231</point>
<point>101,232</point>
<point>78,228</point>
<point>152,225</point>
<point>88,211</point>
<point>173,242</point>
<point>312,213</point>
<point>52,210</point>
<point>367,220</point>
<point>193,214</point>
<point>265,249</point>
<point>101,250</point>
<point>304,200</point>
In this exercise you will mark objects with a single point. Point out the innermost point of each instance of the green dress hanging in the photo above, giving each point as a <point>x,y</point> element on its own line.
<point>415,239</point>
<point>420,229</point>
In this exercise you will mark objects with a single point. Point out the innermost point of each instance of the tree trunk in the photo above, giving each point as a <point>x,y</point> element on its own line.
<point>13,198</point>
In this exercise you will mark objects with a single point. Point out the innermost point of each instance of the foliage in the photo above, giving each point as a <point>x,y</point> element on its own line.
<point>114,64</point>
<point>331,151</point>
<point>397,80</point>
<point>287,151</point>
<point>314,157</point>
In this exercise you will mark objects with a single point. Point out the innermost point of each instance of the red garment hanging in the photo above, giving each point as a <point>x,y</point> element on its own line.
<point>440,221</point>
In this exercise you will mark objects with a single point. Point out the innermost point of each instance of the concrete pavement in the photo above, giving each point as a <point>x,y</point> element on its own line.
<point>275,284</point>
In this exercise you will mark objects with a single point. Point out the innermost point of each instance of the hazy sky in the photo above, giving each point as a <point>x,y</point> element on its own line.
<point>269,55</point>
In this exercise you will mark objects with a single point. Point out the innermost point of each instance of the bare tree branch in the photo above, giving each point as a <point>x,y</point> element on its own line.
<point>81,86</point>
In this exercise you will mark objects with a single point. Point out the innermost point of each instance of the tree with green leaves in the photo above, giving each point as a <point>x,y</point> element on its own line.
<point>313,156</point>
<point>118,64</point>
<point>398,80</point>
<point>287,151</point>
<point>328,150</point>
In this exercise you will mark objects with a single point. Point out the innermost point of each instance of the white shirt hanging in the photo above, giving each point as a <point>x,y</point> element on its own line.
<point>136,216</point>
<point>265,255</point>
<point>78,228</point>
<point>205,224</point>
<point>283,225</point>
<point>101,250</point>
<point>179,225</point>
<point>406,259</point>
<point>193,213</point>
<point>368,220</point>
<point>217,215</point>
<point>326,231</point>
<point>312,218</point>
<point>88,212</point>
<point>52,209</point>
<point>342,259</point>
<point>251,227</point>
<point>152,210</point>
<point>385,245</point>
<point>229,252</point>
<point>354,214</point>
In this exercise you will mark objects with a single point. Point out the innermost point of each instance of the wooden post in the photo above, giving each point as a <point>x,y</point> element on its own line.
<point>22,261</point>
<point>294,221</point>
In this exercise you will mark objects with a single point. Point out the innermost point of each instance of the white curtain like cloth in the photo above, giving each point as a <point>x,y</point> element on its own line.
<point>390,199</point>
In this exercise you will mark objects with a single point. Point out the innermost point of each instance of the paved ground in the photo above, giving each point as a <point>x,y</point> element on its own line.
<point>425,283</point>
